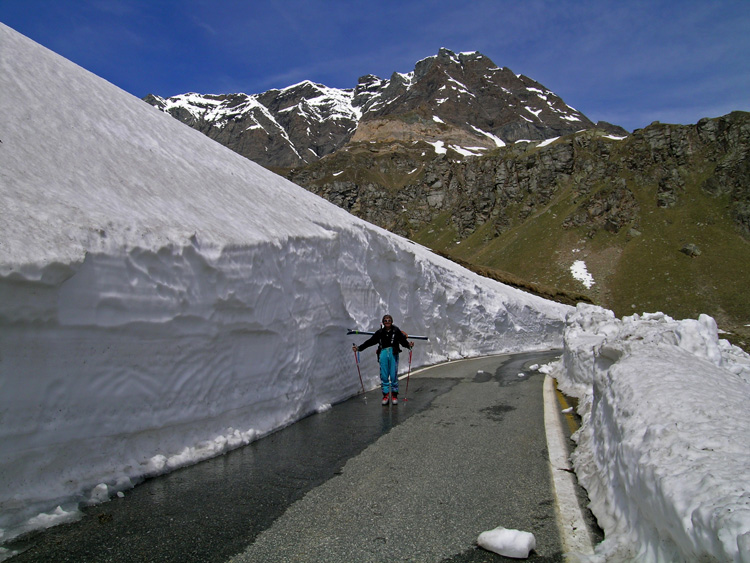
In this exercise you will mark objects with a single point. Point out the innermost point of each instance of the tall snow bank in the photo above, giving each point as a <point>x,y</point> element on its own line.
<point>663,450</point>
<point>163,299</point>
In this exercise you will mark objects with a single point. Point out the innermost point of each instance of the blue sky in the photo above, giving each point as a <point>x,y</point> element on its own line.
<point>628,63</point>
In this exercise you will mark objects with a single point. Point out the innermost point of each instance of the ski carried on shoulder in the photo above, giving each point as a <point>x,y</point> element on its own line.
<point>366,333</point>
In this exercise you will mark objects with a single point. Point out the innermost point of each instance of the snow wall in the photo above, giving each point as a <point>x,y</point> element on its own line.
<point>163,300</point>
<point>664,449</point>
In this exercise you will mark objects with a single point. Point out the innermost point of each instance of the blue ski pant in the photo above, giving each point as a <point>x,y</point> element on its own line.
<point>388,371</point>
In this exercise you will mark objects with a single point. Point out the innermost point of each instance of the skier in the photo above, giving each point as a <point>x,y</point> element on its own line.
<point>388,338</point>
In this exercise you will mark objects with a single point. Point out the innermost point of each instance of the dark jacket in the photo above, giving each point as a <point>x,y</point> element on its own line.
<point>386,338</point>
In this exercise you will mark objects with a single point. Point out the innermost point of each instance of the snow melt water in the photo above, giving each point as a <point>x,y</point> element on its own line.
<point>163,299</point>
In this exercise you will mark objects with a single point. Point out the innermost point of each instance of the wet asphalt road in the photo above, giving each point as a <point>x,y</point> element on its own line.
<point>360,482</point>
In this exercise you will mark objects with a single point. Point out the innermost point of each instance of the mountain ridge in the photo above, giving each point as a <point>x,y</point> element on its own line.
<point>463,100</point>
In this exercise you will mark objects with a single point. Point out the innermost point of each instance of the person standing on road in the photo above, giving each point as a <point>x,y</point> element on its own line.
<point>388,338</point>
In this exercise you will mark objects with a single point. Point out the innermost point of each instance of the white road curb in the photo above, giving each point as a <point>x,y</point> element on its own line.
<point>575,536</point>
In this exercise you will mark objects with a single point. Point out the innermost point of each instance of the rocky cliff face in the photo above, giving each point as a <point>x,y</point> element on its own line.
<point>459,100</point>
<point>404,187</point>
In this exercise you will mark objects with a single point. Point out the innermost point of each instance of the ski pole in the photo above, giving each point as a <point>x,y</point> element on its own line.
<point>408,373</point>
<point>356,360</point>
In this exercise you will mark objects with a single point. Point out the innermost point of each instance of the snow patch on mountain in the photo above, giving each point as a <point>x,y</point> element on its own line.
<point>580,272</point>
<point>497,140</point>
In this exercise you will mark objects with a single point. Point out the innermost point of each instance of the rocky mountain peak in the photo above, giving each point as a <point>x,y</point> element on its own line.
<point>463,100</point>
<point>449,100</point>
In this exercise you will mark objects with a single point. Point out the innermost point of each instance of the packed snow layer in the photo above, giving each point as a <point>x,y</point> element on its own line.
<point>663,449</point>
<point>163,299</point>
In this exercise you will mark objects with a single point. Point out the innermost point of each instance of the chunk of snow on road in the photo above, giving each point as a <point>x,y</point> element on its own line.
<point>508,543</point>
